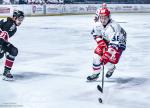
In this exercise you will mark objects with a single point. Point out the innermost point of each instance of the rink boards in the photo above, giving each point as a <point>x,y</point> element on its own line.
<point>64,9</point>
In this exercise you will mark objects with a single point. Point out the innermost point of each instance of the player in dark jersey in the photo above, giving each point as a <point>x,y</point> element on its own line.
<point>7,29</point>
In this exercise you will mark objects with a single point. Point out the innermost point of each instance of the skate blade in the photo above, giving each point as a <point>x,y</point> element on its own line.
<point>95,80</point>
<point>8,79</point>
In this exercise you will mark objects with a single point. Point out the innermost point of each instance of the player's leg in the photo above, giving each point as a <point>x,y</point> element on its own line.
<point>97,64</point>
<point>96,68</point>
<point>114,59</point>
<point>11,53</point>
<point>111,69</point>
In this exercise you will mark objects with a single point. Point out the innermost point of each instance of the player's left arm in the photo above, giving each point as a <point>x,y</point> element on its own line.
<point>117,44</point>
<point>117,37</point>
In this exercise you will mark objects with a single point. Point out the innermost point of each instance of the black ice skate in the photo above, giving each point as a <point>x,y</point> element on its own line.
<point>110,72</point>
<point>7,76</point>
<point>93,77</point>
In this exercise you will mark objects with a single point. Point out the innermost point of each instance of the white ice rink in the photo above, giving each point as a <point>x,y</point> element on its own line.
<point>55,57</point>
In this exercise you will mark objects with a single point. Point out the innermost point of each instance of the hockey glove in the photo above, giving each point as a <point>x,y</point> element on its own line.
<point>112,55</point>
<point>4,35</point>
<point>105,58</point>
<point>101,48</point>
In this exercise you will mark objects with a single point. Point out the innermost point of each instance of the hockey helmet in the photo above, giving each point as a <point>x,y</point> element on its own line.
<point>18,14</point>
<point>104,12</point>
<point>104,5</point>
<point>104,16</point>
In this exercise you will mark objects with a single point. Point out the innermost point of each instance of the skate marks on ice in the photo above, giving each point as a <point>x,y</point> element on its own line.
<point>28,56</point>
<point>114,86</point>
<point>133,81</point>
<point>29,75</point>
<point>66,67</point>
<point>127,92</point>
<point>129,82</point>
<point>24,76</point>
<point>119,88</point>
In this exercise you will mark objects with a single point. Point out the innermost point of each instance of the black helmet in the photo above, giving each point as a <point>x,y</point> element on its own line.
<point>18,14</point>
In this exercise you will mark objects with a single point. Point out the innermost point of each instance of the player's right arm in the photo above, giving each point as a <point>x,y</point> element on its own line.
<point>4,38</point>
<point>99,38</point>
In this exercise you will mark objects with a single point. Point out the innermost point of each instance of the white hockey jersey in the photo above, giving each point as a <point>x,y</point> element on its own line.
<point>113,33</point>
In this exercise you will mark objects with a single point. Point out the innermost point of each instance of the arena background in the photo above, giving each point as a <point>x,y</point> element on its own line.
<point>60,7</point>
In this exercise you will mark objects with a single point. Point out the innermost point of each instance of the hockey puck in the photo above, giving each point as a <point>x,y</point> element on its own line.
<point>100,100</point>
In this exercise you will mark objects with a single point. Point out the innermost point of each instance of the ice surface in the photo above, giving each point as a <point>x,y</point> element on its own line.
<point>55,57</point>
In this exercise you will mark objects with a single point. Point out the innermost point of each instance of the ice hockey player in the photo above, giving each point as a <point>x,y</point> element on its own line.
<point>7,29</point>
<point>111,42</point>
<point>96,17</point>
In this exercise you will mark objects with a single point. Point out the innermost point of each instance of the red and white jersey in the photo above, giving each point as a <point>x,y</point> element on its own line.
<point>112,33</point>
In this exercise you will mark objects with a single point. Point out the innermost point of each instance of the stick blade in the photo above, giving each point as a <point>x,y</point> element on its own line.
<point>100,88</point>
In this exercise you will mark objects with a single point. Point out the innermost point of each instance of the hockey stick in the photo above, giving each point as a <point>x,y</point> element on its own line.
<point>100,88</point>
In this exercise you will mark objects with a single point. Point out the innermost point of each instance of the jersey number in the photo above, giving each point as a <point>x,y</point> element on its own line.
<point>115,38</point>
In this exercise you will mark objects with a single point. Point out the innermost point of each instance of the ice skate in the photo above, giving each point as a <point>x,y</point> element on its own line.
<point>7,76</point>
<point>110,72</point>
<point>93,77</point>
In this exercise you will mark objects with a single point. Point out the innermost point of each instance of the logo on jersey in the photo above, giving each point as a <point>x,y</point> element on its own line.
<point>12,28</point>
